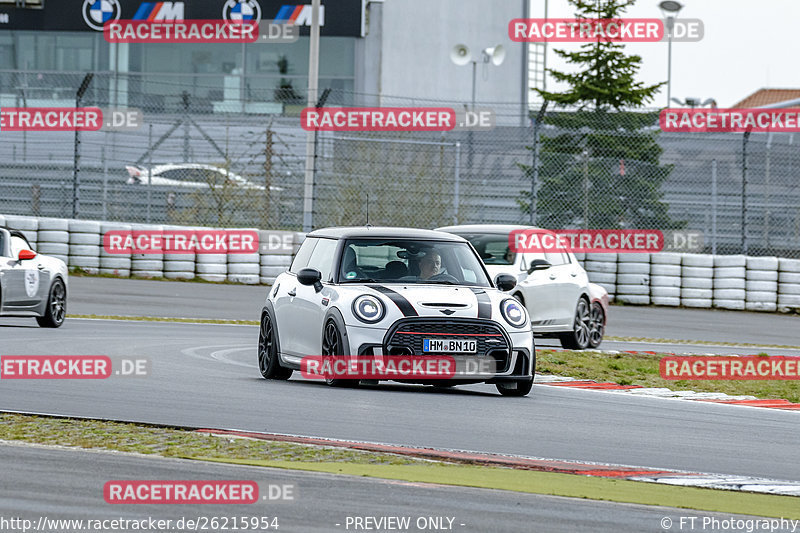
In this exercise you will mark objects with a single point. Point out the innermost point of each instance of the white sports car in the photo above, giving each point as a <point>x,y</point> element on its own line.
<point>31,284</point>
<point>553,287</point>
<point>370,292</point>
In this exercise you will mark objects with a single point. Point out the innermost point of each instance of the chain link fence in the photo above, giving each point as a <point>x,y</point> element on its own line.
<point>207,157</point>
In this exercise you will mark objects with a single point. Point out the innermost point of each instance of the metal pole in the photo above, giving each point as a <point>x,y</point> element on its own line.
<point>313,85</point>
<point>77,154</point>
<point>149,170</point>
<point>744,191</point>
<point>105,182</point>
<point>457,184</point>
<point>713,206</point>
<point>768,198</point>
<point>535,163</point>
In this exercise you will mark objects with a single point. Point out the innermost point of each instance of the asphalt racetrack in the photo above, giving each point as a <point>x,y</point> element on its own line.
<point>73,486</point>
<point>205,375</point>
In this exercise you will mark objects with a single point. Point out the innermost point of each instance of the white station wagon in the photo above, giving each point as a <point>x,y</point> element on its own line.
<point>374,291</point>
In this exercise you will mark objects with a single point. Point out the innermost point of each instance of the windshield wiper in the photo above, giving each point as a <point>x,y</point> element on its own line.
<point>439,281</point>
<point>362,280</point>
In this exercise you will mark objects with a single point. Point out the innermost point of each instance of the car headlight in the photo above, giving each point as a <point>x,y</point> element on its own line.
<point>368,308</point>
<point>513,312</point>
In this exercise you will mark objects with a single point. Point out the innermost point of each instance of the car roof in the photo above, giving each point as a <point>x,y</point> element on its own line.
<point>384,232</point>
<point>499,229</point>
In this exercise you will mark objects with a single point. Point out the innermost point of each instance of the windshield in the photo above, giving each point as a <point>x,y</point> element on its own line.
<point>493,248</point>
<point>411,261</point>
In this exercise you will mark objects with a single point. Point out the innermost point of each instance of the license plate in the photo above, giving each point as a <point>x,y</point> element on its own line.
<point>449,345</point>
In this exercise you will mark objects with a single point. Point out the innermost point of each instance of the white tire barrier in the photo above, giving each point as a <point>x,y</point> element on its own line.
<point>668,292</point>
<point>594,277</point>
<point>596,266</point>
<point>761,284</point>
<point>115,264</point>
<point>762,275</point>
<point>730,260</point>
<point>729,294</point>
<point>696,294</point>
<point>697,283</point>
<point>734,305</point>
<point>92,239</point>
<point>667,258</point>
<point>633,279</point>
<point>789,289</point>
<point>179,265</point>
<point>179,275</point>
<point>84,245</point>
<point>633,258</point>
<point>762,263</point>
<point>665,270</point>
<point>761,306</point>
<point>665,281</point>
<point>789,265</point>
<point>697,272</point>
<point>696,302</point>
<point>635,299</point>
<point>54,236</point>
<point>672,301</point>
<point>54,248</point>
<point>247,279</point>
<point>211,268</point>
<point>580,256</point>
<point>246,269</point>
<point>636,290</point>
<point>729,283</point>
<point>53,224</point>
<point>213,277</point>
<point>633,268</point>
<point>185,267</point>
<point>736,272</point>
<point>783,277</point>
<point>148,265</point>
<point>697,260</point>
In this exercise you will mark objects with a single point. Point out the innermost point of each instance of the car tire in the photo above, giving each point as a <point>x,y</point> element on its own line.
<point>578,338</point>
<point>56,310</point>
<point>268,361</point>
<point>520,388</point>
<point>597,325</point>
<point>332,344</point>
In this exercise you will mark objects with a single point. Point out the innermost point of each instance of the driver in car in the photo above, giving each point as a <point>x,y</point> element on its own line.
<point>430,265</point>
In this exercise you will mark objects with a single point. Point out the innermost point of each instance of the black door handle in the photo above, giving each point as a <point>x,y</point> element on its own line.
<point>293,292</point>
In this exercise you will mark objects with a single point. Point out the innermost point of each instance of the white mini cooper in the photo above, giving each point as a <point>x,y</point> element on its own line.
<point>373,291</point>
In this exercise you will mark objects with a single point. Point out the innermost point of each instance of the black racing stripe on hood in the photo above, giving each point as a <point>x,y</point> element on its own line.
<point>404,305</point>
<point>484,303</point>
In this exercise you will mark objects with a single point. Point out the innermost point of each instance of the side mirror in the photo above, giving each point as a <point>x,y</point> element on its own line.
<point>24,255</point>
<point>538,264</point>
<point>310,276</point>
<point>505,282</point>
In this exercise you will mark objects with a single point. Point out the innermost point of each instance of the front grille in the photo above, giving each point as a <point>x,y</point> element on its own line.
<point>406,335</point>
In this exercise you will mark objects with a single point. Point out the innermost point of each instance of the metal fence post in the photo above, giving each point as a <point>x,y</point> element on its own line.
<point>149,169</point>
<point>457,184</point>
<point>105,181</point>
<point>713,206</point>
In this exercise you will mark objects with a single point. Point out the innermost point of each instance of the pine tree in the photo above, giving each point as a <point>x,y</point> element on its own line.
<point>600,169</point>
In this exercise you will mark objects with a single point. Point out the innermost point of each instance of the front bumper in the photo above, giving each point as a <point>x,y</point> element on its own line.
<point>514,356</point>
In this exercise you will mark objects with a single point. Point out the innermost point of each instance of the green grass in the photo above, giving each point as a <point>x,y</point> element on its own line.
<point>699,343</point>
<point>643,369</point>
<point>168,319</point>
